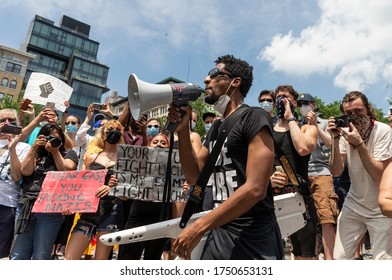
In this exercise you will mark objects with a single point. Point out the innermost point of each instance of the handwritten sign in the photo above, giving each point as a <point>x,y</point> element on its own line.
<point>70,190</point>
<point>42,88</point>
<point>141,173</point>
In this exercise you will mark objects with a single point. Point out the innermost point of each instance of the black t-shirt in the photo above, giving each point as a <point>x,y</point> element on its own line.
<point>230,168</point>
<point>33,182</point>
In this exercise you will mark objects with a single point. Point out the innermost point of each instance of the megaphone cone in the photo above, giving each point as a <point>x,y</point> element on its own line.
<point>143,96</point>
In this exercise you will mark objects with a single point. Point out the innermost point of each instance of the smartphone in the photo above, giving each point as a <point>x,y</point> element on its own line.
<point>25,104</point>
<point>50,105</point>
<point>11,129</point>
<point>98,106</point>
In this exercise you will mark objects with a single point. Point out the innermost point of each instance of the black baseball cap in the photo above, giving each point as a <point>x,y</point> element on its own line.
<point>208,114</point>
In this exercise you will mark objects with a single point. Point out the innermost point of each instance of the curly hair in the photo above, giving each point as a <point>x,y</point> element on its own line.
<point>100,142</point>
<point>239,68</point>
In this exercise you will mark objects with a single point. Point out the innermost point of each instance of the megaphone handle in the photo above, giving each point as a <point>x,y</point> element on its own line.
<point>171,126</point>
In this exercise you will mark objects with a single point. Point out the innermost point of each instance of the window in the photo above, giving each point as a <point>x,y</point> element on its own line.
<point>4,83</point>
<point>13,84</point>
<point>13,67</point>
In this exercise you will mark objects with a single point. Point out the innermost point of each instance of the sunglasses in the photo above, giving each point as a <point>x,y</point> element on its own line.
<point>303,103</point>
<point>71,122</point>
<point>155,125</point>
<point>266,99</point>
<point>214,72</point>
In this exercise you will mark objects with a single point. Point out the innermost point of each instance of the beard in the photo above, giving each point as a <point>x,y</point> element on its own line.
<point>211,99</point>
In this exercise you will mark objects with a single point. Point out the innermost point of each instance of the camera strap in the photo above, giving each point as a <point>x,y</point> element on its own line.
<point>281,156</point>
<point>197,191</point>
<point>298,183</point>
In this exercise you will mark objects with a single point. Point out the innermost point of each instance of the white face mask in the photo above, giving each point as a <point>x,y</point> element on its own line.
<point>223,101</point>
<point>221,104</point>
<point>3,143</point>
<point>267,106</point>
<point>305,109</point>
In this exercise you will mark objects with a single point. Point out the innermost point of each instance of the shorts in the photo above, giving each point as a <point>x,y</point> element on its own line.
<point>91,223</point>
<point>325,199</point>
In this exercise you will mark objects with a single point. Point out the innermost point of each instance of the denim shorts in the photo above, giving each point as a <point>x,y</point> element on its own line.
<point>110,221</point>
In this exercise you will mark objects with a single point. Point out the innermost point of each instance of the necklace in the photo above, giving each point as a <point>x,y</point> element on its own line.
<point>110,157</point>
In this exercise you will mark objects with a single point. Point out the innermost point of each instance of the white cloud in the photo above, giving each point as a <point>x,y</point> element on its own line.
<point>350,42</point>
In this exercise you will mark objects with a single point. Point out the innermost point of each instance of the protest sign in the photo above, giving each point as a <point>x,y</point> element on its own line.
<point>42,88</point>
<point>70,190</point>
<point>141,172</point>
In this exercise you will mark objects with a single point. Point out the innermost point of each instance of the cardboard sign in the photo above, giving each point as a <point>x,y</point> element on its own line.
<point>70,190</point>
<point>141,173</point>
<point>42,88</point>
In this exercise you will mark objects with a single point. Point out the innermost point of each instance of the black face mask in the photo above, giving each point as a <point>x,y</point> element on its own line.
<point>113,136</point>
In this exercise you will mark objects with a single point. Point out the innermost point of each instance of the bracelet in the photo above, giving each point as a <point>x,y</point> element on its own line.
<point>358,145</point>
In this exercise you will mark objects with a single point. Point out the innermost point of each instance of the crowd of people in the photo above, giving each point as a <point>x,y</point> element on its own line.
<point>343,165</point>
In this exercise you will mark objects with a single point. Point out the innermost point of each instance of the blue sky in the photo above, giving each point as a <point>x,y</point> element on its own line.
<point>325,47</point>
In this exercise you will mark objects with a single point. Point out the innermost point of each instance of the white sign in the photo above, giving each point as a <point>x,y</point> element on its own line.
<point>141,173</point>
<point>42,88</point>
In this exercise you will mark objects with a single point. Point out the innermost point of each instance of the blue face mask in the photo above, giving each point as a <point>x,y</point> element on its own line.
<point>267,106</point>
<point>71,128</point>
<point>207,126</point>
<point>152,131</point>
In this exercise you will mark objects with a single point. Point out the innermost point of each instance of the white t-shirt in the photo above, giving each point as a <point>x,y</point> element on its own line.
<point>9,189</point>
<point>363,194</point>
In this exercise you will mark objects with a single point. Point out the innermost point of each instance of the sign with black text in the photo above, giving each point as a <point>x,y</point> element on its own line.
<point>141,173</point>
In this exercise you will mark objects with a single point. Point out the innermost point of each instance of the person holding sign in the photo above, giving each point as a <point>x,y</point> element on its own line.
<point>144,213</point>
<point>36,232</point>
<point>108,218</point>
<point>243,223</point>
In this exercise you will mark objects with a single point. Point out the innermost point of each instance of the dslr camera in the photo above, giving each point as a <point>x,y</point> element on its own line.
<point>281,108</point>
<point>343,121</point>
<point>54,141</point>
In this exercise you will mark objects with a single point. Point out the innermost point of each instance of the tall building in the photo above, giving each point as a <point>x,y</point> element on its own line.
<point>67,53</point>
<point>13,65</point>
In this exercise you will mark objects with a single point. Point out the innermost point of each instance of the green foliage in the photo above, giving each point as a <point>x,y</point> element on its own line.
<point>200,107</point>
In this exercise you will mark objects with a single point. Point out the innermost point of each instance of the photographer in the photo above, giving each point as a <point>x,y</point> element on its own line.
<point>37,232</point>
<point>297,142</point>
<point>12,153</point>
<point>366,144</point>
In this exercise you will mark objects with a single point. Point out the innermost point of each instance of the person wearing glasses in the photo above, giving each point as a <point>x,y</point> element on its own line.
<point>12,153</point>
<point>242,224</point>
<point>320,177</point>
<point>153,126</point>
<point>267,102</point>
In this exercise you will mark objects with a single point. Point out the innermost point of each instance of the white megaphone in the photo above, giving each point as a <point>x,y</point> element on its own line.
<point>143,96</point>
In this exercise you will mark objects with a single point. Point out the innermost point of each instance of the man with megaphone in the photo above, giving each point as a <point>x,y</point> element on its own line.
<point>242,224</point>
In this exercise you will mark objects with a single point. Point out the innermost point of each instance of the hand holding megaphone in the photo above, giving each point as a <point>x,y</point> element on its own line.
<point>178,118</point>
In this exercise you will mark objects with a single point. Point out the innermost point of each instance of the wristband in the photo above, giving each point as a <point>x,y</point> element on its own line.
<point>291,119</point>
<point>358,145</point>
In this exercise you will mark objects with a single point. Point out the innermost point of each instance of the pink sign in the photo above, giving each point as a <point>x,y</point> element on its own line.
<point>70,190</point>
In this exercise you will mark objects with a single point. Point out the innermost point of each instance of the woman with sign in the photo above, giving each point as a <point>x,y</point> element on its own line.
<point>108,218</point>
<point>36,232</point>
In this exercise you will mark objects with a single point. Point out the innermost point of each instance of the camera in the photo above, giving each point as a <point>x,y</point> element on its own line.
<point>11,129</point>
<point>281,108</point>
<point>54,141</point>
<point>98,106</point>
<point>343,121</point>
